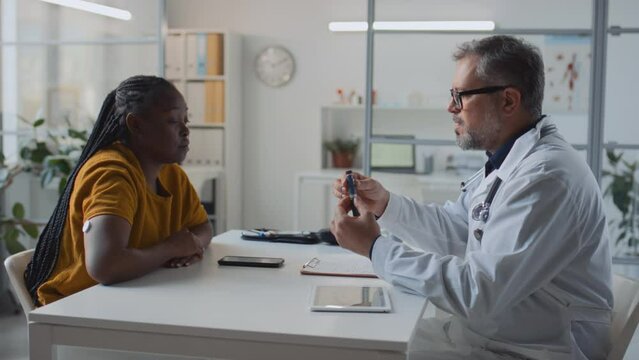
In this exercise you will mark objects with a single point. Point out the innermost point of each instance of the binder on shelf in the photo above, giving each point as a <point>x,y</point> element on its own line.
<point>173,60</point>
<point>214,102</point>
<point>207,148</point>
<point>215,54</point>
<point>191,55</point>
<point>196,101</point>
<point>205,55</point>
<point>201,54</point>
<point>351,266</point>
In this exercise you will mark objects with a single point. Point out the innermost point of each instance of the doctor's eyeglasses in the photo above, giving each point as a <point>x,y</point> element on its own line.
<point>457,95</point>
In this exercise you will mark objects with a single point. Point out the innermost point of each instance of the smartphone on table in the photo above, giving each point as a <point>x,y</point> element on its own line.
<point>251,261</point>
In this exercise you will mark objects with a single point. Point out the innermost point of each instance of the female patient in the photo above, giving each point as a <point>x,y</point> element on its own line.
<point>128,208</point>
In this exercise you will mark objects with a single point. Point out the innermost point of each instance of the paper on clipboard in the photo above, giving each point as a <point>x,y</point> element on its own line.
<point>352,266</point>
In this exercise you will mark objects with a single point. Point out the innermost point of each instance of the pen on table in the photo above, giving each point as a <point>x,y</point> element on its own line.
<point>351,191</point>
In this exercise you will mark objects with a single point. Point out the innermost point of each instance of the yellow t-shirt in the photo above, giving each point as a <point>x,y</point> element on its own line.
<point>111,182</point>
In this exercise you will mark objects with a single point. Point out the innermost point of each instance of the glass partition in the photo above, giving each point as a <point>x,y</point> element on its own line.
<point>622,86</point>
<point>620,179</point>
<point>39,21</point>
<point>505,13</point>
<point>413,74</point>
<point>65,85</point>
<point>623,13</point>
<point>58,64</point>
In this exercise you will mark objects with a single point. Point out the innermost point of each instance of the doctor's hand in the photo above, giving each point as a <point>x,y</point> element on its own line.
<point>371,196</point>
<point>356,234</point>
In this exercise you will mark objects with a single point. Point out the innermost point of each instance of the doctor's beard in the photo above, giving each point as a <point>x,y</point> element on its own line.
<point>481,137</point>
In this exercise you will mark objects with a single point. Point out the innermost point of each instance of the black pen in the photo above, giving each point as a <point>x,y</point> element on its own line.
<point>351,191</point>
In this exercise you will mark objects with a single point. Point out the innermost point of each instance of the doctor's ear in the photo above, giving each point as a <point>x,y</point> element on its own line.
<point>511,100</point>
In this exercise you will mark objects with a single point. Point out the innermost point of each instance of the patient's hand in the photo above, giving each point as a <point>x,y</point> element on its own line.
<point>183,261</point>
<point>184,244</point>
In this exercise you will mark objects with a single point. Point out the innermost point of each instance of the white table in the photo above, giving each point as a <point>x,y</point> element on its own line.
<point>227,312</point>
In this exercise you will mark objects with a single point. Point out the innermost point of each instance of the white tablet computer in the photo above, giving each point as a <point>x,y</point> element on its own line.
<point>350,299</point>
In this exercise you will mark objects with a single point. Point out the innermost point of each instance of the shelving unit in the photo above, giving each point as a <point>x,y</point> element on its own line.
<point>429,125</point>
<point>204,65</point>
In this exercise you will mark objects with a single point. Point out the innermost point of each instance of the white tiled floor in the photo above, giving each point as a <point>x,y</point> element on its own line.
<point>13,329</point>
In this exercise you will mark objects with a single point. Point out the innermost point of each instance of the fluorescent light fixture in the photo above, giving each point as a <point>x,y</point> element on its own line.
<point>348,26</point>
<point>434,25</point>
<point>93,8</point>
<point>413,25</point>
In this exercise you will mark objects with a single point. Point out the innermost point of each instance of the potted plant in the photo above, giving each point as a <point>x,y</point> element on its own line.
<point>623,191</point>
<point>51,158</point>
<point>342,151</point>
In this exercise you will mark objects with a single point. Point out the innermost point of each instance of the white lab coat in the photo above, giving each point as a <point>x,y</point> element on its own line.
<point>539,281</point>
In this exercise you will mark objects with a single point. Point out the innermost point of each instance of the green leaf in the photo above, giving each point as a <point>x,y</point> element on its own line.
<point>620,237</point>
<point>62,184</point>
<point>38,123</point>
<point>25,153</point>
<point>630,166</point>
<point>18,211</point>
<point>621,189</point>
<point>13,245</point>
<point>75,134</point>
<point>46,176</point>
<point>41,151</point>
<point>31,230</point>
<point>622,224</point>
<point>62,166</point>
<point>612,158</point>
<point>610,155</point>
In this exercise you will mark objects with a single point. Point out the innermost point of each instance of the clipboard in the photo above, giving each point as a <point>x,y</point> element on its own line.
<point>293,237</point>
<point>351,266</point>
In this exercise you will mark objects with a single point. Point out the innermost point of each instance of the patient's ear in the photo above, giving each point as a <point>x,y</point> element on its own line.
<point>133,123</point>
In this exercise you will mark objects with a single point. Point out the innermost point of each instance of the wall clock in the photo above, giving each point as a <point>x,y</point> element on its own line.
<point>275,66</point>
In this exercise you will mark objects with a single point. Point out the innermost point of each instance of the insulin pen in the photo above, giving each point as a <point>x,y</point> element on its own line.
<point>351,191</point>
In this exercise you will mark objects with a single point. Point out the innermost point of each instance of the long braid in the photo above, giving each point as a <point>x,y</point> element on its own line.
<point>129,96</point>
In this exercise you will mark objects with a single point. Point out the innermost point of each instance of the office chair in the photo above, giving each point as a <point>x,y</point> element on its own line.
<point>625,315</point>
<point>15,265</point>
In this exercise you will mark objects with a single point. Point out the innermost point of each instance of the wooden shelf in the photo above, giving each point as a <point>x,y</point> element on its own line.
<point>207,78</point>
<point>204,65</point>
<point>205,126</point>
<point>383,108</point>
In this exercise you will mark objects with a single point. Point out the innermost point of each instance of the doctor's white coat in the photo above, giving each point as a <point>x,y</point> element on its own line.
<point>538,282</point>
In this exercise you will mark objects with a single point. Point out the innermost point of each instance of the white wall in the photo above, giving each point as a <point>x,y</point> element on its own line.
<point>281,125</point>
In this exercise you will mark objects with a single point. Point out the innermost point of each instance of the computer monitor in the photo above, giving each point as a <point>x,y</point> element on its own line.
<point>393,157</point>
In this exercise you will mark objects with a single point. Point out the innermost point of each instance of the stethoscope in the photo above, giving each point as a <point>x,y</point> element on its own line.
<point>481,211</point>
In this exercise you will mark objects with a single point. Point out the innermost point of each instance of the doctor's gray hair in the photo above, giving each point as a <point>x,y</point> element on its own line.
<point>505,60</point>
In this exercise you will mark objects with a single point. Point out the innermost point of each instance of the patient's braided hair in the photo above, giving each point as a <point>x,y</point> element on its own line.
<point>133,95</point>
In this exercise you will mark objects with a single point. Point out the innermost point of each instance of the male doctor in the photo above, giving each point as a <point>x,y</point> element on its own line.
<point>521,259</point>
